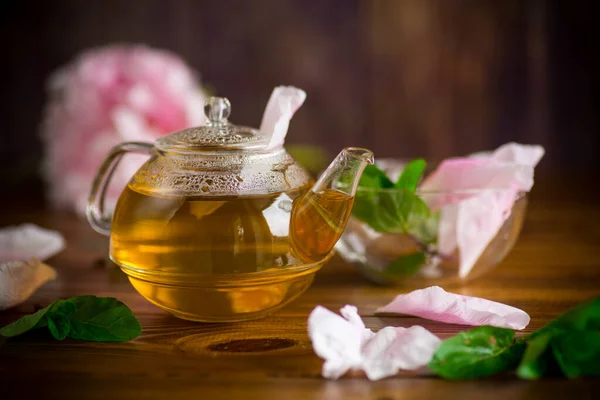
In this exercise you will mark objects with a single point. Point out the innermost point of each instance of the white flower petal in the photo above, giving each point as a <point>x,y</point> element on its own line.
<point>20,279</point>
<point>345,344</point>
<point>335,340</point>
<point>284,102</point>
<point>393,349</point>
<point>28,240</point>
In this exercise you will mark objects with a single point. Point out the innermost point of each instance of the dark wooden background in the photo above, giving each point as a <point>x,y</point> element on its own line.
<point>405,78</point>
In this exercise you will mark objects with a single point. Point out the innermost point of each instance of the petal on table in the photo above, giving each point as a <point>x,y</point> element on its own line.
<point>20,279</point>
<point>337,340</point>
<point>436,304</point>
<point>28,240</point>
<point>396,348</point>
<point>284,102</point>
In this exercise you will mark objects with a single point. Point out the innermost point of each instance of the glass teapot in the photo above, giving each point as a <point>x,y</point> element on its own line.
<point>218,226</point>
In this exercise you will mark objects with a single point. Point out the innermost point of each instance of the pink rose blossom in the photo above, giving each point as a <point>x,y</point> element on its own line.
<point>107,96</point>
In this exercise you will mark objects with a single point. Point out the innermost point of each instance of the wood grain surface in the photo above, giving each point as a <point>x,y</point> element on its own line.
<point>554,265</point>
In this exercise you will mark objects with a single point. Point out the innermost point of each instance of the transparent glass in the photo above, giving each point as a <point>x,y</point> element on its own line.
<point>396,258</point>
<point>224,235</point>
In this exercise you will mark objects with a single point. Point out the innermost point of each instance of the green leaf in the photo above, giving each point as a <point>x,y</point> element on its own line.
<point>405,266</point>
<point>536,358</point>
<point>59,326</point>
<point>477,353</point>
<point>571,341</point>
<point>411,174</point>
<point>390,208</point>
<point>105,319</point>
<point>411,210</point>
<point>569,344</point>
<point>585,316</point>
<point>26,323</point>
<point>578,353</point>
<point>425,229</point>
<point>394,211</point>
<point>374,178</point>
<point>98,319</point>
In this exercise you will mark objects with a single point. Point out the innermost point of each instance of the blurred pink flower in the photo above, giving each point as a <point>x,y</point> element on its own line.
<point>107,96</point>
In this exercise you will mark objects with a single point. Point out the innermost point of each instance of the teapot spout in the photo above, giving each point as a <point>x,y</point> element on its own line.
<point>344,172</point>
<point>320,216</point>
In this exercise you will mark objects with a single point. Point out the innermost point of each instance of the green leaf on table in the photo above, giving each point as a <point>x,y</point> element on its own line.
<point>578,353</point>
<point>59,326</point>
<point>477,353</point>
<point>411,174</point>
<point>570,345</point>
<point>536,359</point>
<point>26,323</point>
<point>405,266</point>
<point>58,318</point>
<point>91,318</point>
<point>103,320</point>
<point>585,316</point>
<point>571,341</point>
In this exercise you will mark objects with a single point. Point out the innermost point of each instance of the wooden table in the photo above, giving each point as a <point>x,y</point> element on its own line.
<point>554,265</point>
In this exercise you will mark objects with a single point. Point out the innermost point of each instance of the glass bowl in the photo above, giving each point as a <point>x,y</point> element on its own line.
<point>395,258</point>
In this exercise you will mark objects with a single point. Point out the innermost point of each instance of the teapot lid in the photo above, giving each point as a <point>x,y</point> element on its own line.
<point>217,134</point>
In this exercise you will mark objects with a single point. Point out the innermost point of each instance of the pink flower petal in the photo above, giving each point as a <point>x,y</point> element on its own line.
<point>475,196</point>
<point>28,240</point>
<point>436,304</point>
<point>284,102</point>
<point>345,344</point>
<point>458,179</point>
<point>514,153</point>
<point>393,349</point>
<point>478,221</point>
<point>510,166</point>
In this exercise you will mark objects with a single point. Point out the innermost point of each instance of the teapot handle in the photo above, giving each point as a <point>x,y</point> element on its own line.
<point>95,207</point>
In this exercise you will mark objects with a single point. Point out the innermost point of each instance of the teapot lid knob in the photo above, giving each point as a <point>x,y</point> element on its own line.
<point>216,133</point>
<point>217,110</point>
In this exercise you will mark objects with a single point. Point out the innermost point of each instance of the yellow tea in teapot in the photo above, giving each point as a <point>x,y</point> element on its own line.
<point>318,221</point>
<point>176,234</point>
<point>163,242</point>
